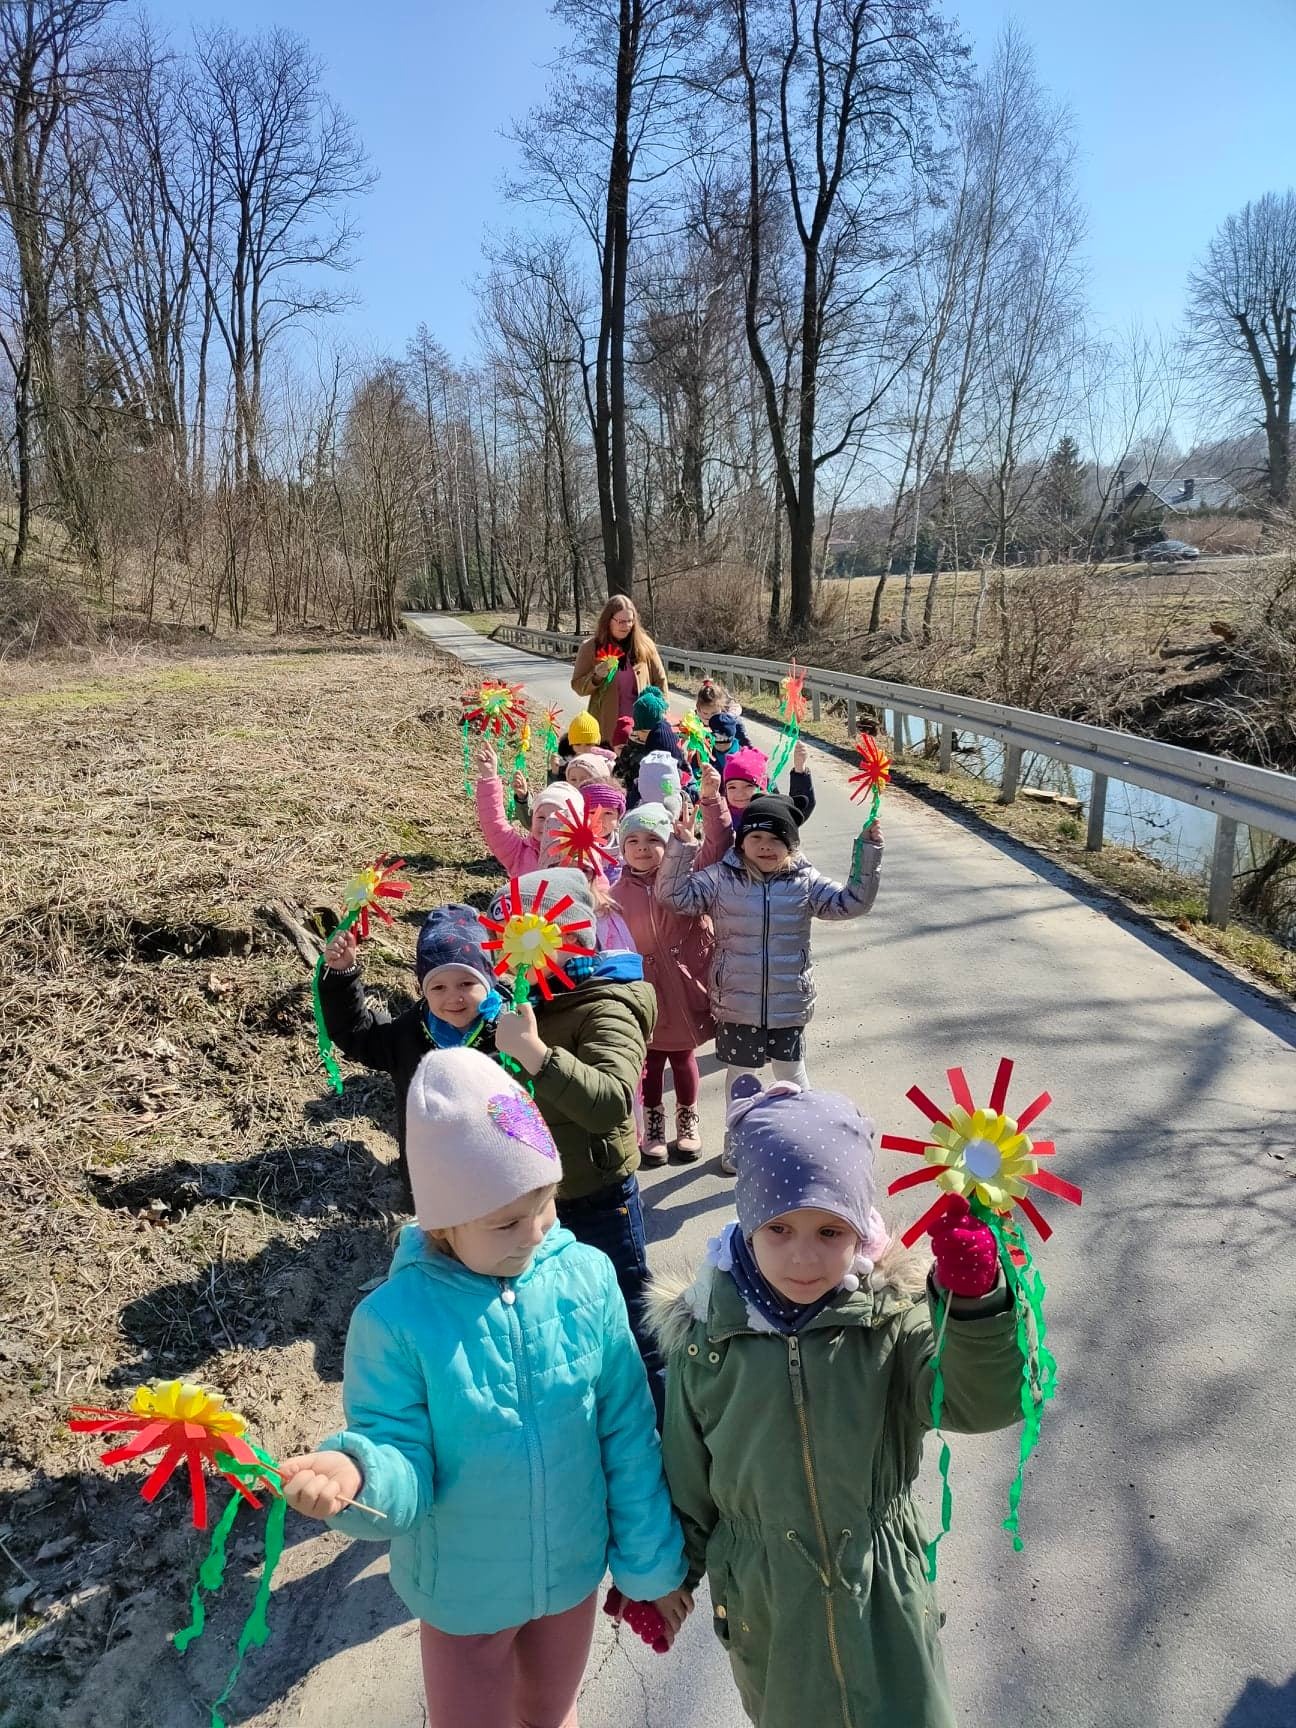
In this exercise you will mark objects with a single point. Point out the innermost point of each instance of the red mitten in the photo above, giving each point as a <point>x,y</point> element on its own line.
<point>967,1255</point>
<point>642,1618</point>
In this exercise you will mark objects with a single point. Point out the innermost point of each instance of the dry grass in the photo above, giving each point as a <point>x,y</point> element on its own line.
<point>180,1193</point>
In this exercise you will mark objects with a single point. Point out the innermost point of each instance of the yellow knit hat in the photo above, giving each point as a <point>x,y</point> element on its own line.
<point>583,730</point>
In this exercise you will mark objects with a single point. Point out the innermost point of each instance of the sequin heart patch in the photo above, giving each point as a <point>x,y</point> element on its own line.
<point>518,1117</point>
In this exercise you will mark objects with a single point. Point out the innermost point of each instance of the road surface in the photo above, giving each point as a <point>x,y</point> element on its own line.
<point>1159,1574</point>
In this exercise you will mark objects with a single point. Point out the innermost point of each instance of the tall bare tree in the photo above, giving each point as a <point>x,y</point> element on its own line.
<point>1242,306</point>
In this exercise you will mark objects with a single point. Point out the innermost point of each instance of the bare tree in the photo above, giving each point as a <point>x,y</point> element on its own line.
<point>837,98</point>
<point>1242,304</point>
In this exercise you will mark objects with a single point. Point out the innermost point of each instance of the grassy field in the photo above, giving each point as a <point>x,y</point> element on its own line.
<point>181,1193</point>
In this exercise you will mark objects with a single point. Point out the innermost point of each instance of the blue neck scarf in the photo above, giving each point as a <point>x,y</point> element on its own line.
<point>447,1037</point>
<point>787,1318</point>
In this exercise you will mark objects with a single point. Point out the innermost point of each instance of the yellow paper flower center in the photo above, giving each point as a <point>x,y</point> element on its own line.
<point>182,1401</point>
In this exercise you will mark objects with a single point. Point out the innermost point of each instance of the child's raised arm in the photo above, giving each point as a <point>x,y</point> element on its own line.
<point>833,900</point>
<point>514,855</point>
<point>350,1022</point>
<point>645,1550</point>
<point>596,1094</point>
<point>680,884</point>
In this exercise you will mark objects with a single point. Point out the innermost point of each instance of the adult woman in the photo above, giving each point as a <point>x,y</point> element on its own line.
<point>618,630</point>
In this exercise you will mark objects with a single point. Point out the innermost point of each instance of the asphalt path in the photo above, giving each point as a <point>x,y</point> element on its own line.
<point>1159,1574</point>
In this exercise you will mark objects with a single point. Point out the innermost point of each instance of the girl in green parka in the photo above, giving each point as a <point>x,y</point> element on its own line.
<point>799,1378</point>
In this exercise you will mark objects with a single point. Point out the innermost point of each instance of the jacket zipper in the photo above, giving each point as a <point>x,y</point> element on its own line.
<point>826,1559</point>
<point>765,957</point>
<point>535,1467</point>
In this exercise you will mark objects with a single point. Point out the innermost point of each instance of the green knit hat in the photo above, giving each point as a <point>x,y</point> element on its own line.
<point>649,709</point>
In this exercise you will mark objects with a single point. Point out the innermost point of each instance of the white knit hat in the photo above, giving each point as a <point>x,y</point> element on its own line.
<point>474,1139</point>
<point>556,799</point>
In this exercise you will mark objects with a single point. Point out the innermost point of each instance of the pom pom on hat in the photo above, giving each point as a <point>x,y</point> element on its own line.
<point>583,730</point>
<point>659,780</point>
<point>749,764</point>
<point>474,1139</point>
<point>622,731</point>
<point>654,819</point>
<point>649,709</point>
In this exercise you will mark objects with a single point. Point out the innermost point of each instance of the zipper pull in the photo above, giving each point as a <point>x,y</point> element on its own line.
<point>794,1369</point>
<point>508,1295</point>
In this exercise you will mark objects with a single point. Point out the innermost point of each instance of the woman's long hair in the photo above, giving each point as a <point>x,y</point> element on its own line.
<point>636,644</point>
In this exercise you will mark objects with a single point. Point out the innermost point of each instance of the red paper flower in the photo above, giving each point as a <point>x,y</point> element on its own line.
<point>188,1425</point>
<point>982,1154</point>
<point>874,771</point>
<point>792,700</point>
<point>367,889</point>
<point>607,663</point>
<point>573,841</point>
<point>529,939</point>
<point>495,708</point>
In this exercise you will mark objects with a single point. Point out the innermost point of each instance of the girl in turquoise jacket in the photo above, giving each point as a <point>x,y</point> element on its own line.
<point>500,1431</point>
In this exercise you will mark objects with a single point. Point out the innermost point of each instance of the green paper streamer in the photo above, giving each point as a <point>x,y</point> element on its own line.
<point>211,1575</point>
<point>256,1628</point>
<point>783,752</point>
<point>1039,1369</point>
<point>937,1409</point>
<point>466,734</point>
<point>322,1040</point>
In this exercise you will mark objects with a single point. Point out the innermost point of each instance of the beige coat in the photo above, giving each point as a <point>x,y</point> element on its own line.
<point>602,700</point>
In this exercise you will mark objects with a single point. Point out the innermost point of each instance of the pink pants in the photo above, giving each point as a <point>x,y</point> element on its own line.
<point>527,1677</point>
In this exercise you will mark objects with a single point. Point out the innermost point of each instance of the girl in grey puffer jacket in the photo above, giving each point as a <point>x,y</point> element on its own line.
<point>761,897</point>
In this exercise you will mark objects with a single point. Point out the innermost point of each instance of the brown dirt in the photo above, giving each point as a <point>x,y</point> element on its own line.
<point>180,1194</point>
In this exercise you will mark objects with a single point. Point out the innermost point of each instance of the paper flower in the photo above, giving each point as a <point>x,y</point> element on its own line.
<point>187,1425</point>
<point>367,889</point>
<point>550,720</point>
<point>981,1154</point>
<point>695,737</point>
<point>792,699</point>
<point>607,663</point>
<point>570,839</point>
<point>873,774</point>
<point>530,940</point>
<point>495,708</point>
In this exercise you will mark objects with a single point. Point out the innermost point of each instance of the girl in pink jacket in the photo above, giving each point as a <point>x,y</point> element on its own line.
<point>517,853</point>
<point>677,954</point>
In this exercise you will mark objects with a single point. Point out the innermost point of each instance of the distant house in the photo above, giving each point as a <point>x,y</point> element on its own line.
<point>1183,495</point>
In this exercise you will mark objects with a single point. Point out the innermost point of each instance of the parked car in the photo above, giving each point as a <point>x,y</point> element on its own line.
<point>1169,552</point>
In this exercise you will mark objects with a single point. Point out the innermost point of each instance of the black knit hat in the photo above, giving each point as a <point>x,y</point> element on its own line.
<point>770,814</point>
<point>452,936</point>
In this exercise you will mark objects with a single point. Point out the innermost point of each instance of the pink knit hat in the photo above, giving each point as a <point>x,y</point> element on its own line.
<point>604,795</point>
<point>594,767</point>
<point>749,764</point>
<point>474,1139</point>
<point>557,799</point>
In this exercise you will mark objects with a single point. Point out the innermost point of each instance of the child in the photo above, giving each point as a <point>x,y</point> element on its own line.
<point>584,1052</point>
<point>716,708</point>
<point>653,733</point>
<point>605,805</point>
<point>589,766</point>
<point>799,1376</point>
<point>458,1005</point>
<point>744,774</point>
<point>762,897</point>
<point>498,1418</point>
<point>514,852</point>
<point>677,953</point>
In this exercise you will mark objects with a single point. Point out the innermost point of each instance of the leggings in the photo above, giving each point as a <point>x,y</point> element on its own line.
<point>684,1072</point>
<point>527,1677</point>
<point>782,1071</point>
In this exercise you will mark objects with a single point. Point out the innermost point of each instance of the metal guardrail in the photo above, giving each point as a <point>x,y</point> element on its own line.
<point>1235,792</point>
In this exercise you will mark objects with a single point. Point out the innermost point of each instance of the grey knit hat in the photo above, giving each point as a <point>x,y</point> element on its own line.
<point>654,819</point>
<point>560,883</point>
<point>797,1149</point>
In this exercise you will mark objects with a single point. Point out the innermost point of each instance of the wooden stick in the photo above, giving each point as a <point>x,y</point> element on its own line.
<point>274,1470</point>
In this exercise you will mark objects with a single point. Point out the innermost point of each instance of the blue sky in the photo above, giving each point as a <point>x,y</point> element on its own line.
<point>1182,113</point>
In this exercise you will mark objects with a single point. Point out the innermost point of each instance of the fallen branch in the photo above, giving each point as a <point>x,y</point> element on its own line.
<point>300,937</point>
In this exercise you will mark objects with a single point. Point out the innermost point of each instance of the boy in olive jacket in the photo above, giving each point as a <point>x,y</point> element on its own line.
<point>799,1387</point>
<point>584,1053</point>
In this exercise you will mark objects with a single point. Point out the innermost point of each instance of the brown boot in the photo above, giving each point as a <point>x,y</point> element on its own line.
<point>688,1132</point>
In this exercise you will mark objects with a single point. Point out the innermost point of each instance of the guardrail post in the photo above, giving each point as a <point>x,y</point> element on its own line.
<point>1011,773</point>
<point>1220,898</point>
<point>1097,813</point>
<point>898,735</point>
<point>852,718</point>
<point>946,747</point>
<point>816,705</point>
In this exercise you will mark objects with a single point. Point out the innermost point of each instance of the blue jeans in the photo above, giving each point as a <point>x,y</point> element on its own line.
<point>612,1221</point>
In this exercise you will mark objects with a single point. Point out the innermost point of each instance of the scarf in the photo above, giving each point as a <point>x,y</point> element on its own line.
<point>443,1036</point>
<point>787,1318</point>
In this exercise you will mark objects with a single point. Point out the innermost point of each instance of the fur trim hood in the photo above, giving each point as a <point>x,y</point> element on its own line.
<point>677,1301</point>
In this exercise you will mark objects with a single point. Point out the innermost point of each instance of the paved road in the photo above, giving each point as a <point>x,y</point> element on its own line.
<point>1159,1573</point>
